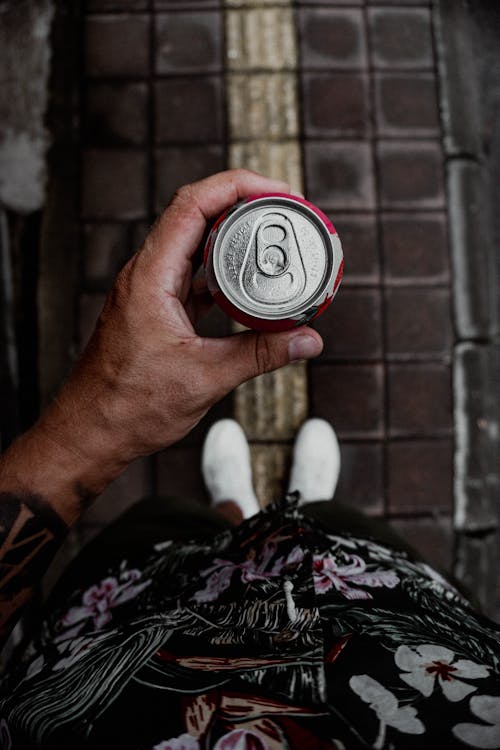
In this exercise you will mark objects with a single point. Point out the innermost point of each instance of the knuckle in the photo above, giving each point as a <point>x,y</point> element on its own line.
<point>182,195</point>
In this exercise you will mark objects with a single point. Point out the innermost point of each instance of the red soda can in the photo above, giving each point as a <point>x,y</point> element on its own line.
<point>273,261</point>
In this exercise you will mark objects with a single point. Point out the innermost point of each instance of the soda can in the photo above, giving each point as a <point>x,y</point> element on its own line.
<point>273,261</point>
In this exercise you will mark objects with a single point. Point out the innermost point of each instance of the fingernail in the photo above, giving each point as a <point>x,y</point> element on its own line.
<point>297,193</point>
<point>304,347</point>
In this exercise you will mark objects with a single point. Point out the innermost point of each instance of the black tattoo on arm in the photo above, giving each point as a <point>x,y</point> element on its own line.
<point>30,534</point>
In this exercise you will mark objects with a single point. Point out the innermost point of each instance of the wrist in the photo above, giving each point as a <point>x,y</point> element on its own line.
<point>67,457</point>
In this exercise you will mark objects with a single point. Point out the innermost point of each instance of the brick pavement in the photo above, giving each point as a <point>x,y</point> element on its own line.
<point>156,112</point>
<point>373,161</point>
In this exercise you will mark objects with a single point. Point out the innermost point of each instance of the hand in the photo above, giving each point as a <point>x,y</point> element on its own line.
<point>146,378</point>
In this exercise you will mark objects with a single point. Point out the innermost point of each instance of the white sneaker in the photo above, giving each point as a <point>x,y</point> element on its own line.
<point>227,468</point>
<point>316,462</point>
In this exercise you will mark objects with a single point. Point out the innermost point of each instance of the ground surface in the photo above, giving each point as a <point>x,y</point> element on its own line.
<point>344,99</point>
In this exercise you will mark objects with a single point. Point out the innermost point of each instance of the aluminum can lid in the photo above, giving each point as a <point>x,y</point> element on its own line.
<point>274,257</point>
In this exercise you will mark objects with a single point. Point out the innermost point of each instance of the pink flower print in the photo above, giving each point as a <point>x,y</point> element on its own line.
<point>218,580</point>
<point>99,600</point>
<point>329,574</point>
<point>254,568</point>
<point>241,739</point>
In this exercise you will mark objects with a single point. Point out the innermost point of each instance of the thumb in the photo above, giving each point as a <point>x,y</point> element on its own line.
<point>244,355</point>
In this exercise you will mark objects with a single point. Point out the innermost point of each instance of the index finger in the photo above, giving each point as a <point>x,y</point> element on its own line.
<point>179,230</point>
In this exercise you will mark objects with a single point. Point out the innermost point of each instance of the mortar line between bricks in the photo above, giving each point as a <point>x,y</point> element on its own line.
<point>378,224</point>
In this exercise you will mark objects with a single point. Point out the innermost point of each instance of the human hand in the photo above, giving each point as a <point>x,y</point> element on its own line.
<point>146,378</point>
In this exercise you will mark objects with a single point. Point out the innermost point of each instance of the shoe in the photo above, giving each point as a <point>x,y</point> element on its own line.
<point>316,462</point>
<point>227,468</point>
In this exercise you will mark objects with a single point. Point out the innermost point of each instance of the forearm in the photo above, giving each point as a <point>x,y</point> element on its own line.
<point>47,479</point>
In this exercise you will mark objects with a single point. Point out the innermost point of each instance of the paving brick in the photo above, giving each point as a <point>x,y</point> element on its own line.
<point>329,2</point>
<point>411,174</point>
<point>272,407</point>
<point>425,3</point>
<point>188,42</point>
<point>418,323</point>
<point>105,250</point>
<point>463,99</point>
<point>400,37</point>
<point>352,327</point>
<point>249,47</point>
<point>420,476</point>
<point>116,114</point>
<point>90,306</point>
<point>281,161</point>
<point>340,174</point>
<point>270,465</point>
<point>258,3</point>
<point>179,473</point>
<point>419,400</point>
<point>474,290</point>
<point>332,38</point>
<point>476,566</point>
<point>476,374</point>
<point>432,538</point>
<point>130,487</point>
<point>114,184</point>
<point>415,248</point>
<point>350,397</point>
<point>406,104</point>
<point>186,4</point>
<point>361,483</point>
<point>335,104</point>
<point>138,232</point>
<point>358,234</point>
<point>96,6</point>
<point>179,165</point>
<point>262,106</point>
<point>117,45</point>
<point>189,109</point>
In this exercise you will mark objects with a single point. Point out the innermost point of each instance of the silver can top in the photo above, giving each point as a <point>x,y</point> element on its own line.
<point>274,257</point>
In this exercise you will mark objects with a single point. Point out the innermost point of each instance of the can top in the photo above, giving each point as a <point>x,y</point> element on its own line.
<point>275,257</point>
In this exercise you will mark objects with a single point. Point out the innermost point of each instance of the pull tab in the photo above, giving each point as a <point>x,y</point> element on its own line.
<point>272,270</point>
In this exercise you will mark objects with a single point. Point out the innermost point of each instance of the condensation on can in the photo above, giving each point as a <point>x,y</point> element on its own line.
<point>273,261</point>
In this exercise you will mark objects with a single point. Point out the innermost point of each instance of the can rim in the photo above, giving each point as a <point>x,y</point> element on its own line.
<point>331,240</point>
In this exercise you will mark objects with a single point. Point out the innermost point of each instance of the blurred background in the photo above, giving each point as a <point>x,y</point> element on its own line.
<point>387,115</point>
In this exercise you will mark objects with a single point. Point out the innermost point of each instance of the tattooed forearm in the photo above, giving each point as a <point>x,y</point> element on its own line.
<point>30,534</point>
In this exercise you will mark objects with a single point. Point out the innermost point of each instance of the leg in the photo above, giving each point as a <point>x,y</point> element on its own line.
<point>227,471</point>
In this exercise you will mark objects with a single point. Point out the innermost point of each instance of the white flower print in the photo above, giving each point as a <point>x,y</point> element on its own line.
<point>487,708</point>
<point>329,573</point>
<point>184,742</point>
<point>428,663</point>
<point>99,600</point>
<point>385,705</point>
